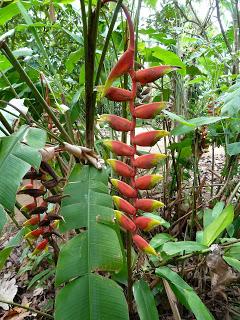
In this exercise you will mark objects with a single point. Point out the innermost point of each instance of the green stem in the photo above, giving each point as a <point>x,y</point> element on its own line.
<point>28,308</point>
<point>106,44</point>
<point>129,268</point>
<point>136,26</point>
<point>9,55</point>
<point>5,123</point>
<point>90,38</point>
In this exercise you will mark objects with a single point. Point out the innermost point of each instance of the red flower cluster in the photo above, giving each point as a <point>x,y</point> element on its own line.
<point>127,214</point>
<point>44,221</point>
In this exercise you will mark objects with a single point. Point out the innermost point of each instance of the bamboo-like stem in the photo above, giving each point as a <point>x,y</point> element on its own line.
<point>9,55</point>
<point>137,26</point>
<point>195,183</point>
<point>106,44</point>
<point>44,314</point>
<point>5,123</point>
<point>89,50</point>
<point>18,110</point>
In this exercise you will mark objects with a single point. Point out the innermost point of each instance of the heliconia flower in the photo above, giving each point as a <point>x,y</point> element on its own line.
<point>148,161</point>
<point>152,74</point>
<point>143,245</point>
<point>150,110</point>
<point>147,182</point>
<point>118,94</point>
<point>125,222</point>
<point>33,192</point>
<point>39,209</point>
<point>40,247</point>
<point>49,184</point>
<point>121,168</point>
<point>116,122</point>
<point>26,187</point>
<point>56,198</point>
<point>32,222</point>
<point>146,223</point>
<point>46,168</point>
<point>148,139</point>
<point>124,188</point>
<point>123,205</point>
<point>55,224</point>
<point>28,207</point>
<point>119,148</point>
<point>34,234</point>
<point>148,205</point>
<point>32,175</point>
<point>124,64</point>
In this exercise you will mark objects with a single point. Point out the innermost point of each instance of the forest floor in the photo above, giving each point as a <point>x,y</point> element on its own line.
<point>19,277</point>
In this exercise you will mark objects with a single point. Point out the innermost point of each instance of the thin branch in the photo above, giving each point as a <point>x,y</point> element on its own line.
<point>109,34</point>
<point>28,308</point>
<point>222,29</point>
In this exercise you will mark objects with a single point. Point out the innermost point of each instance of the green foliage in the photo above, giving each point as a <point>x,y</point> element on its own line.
<point>218,225</point>
<point>18,153</point>
<point>14,242</point>
<point>97,249</point>
<point>145,301</point>
<point>186,295</point>
<point>231,100</point>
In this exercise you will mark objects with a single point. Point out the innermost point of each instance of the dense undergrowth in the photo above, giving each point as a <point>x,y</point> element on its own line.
<point>83,99</point>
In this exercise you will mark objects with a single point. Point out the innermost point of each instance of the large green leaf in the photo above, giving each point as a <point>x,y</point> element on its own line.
<point>231,99</point>
<point>211,214</point>
<point>145,301</point>
<point>89,206</point>
<point>232,262</point>
<point>180,247</point>
<point>91,297</point>
<point>214,229</point>
<point>186,295</point>
<point>169,58</point>
<point>18,153</point>
<point>9,11</point>
<point>233,148</point>
<point>195,123</point>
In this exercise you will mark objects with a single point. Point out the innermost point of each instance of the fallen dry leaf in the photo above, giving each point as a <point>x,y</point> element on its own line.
<point>8,290</point>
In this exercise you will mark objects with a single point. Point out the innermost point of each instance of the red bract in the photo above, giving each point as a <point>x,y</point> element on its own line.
<point>149,111</point>
<point>147,182</point>
<point>41,246</point>
<point>29,207</point>
<point>146,223</point>
<point>148,205</point>
<point>32,222</point>
<point>124,188</point>
<point>125,222</point>
<point>148,139</point>
<point>121,168</point>
<point>118,94</point>
<point>124,64</point>
<point>143,245</point>
<point>149,161</point>
<point>152,74</point>
<point>116,122</point>
<point>119,148</point>
<point>124,205</point>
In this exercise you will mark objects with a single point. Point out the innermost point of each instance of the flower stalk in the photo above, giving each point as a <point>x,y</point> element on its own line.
<point>131,208</point>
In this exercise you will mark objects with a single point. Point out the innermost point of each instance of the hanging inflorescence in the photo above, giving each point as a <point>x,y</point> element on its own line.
<point>43,191</point>
<point>127,214</point>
